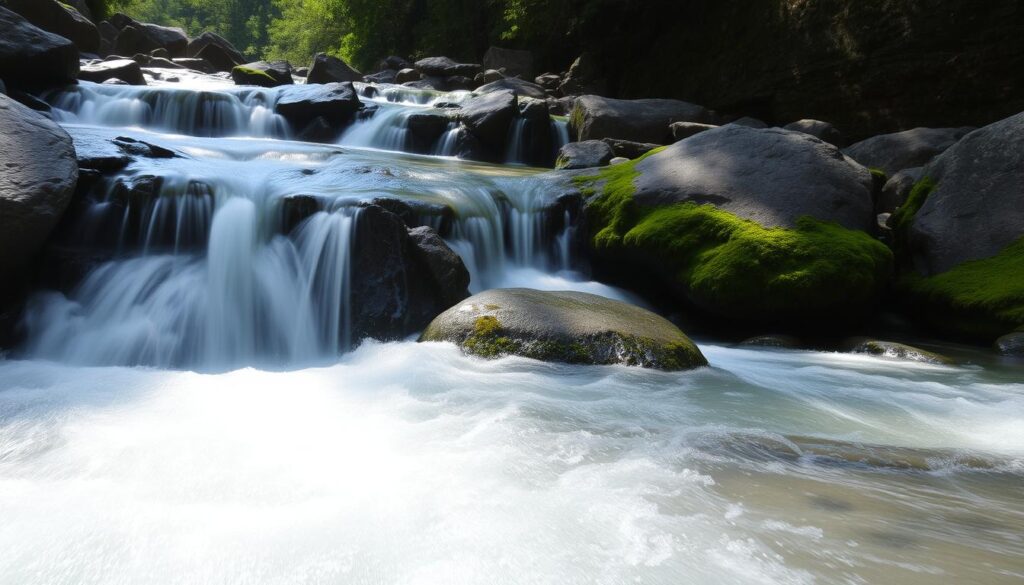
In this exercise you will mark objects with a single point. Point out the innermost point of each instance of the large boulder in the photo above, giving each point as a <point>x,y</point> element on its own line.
<point>488,117</point>
<point>335,102</point>
<point>328,69</point>
<point>962,235</point>
<point>585,76</point>
<point>263,74</point>
<point>216,50</point>
<point>518,86</point>
<point>565,326</point>
<point>400,281</point>
<point>445,67</point>
<point>584,155</point>
<point>126,70</point>
<point>138,37</point>
<point>595,117</point>
<point>903,150</point>
<point>514,62</point>
<point>37,181</point>
<point>684,130</point>
<point>60,19</point>
<point>32,57</point>
<point>750,226</point>
<point>818,129</point>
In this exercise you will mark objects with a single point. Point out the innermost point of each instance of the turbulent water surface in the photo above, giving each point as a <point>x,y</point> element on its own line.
<point>188,413</point>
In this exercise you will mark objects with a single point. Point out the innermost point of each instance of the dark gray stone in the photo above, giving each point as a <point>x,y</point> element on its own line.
<point>300,104</point>
<point>215,49</point>
<point>445,67</point>
<point>514,62</point>
<point>897,188</point>
<point>595,117</point>
<point>263,74</point>
<point>488,116</point>
<point>60,19</point>
<point>584,155</point>
<point>818,129</point>
<point>518,86</point>
<point>329,69</point>
<point>126,70</point>
<point>31,57</point>
<point>904,150</point>
<point>684,130</point>
<point>628,148</point>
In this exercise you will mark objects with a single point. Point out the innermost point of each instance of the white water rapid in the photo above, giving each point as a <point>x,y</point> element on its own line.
<point>195,411</point>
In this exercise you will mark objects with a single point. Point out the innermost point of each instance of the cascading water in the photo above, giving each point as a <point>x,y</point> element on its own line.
<point>412,463</point>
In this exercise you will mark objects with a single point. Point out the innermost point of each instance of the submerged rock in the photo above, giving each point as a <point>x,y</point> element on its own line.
<point>595,117</point>
<point>899,351</point>
<point>37,180</point>
<point>892,153</point>
<point>571,327</point>
<point>32,57</point>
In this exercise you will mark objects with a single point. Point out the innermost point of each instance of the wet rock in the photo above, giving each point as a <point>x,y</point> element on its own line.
<point>515,63</point>
<point>302,72</point>
<point>394,62</point>
<point>407,75</point>
<point>488,117</point>
<point>445,67</point>
<point>60,19</point>
<point>549,81</point>
<point>628,148</point>
<point>892,153</point>
<point>432,83</point>
<point>296,209</point>
<point>899,351</point>
<point>30,101</point>
<point>518,86</point>
<point>773,340</point>
<point>584,155</point>
<point>194,64</point>
<point>385,76</point>
<point>329,69</point>
<point>564,326</point>
<point>585,76</point>
<point>447,272</point>
<point>488,76</point>
<point>425,128</point>
<point>594,118</point>
<point>37,181</point>
<point>216,50</point>
<point>335,102</point>
<point>458,83</point>
<point>31,57</point>
<point>320,129</point>
<point>126,70</point>
<point>136,37</point>
<point>1011,344</point>
<point>684,130</point>
<point>818,129</point>
<point>263,74</point>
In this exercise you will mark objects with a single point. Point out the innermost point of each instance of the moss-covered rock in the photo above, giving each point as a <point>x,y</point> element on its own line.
<point>570,327</point>
<point>896,351</point>
<point>263,74</point>
<point>807,271</point>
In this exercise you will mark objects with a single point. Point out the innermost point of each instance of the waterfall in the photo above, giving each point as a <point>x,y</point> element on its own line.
<point>449,141</point>
<point>386,129</point>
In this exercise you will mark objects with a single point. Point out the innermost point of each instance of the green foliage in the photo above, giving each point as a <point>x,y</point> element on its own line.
<point>735,267</point>
<point>244,23</point>
<point>982,299</point>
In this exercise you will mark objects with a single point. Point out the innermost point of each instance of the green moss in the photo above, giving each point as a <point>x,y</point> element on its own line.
<point>486,339</point>
<point>982,299</point>
<point>733,266</point>
<point>879,175</point>
<point>254,72</point>
<point>904,216</point>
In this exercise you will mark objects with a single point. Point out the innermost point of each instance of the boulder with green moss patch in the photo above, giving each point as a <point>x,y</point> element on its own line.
<point>570,327</point>
<point>263,74</point>
<point>896,351</point>
<point>748,225</point>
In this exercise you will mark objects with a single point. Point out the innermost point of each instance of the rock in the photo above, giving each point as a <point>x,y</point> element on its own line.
<point>488,117</point>
<point>37,181</point>
<point>108,37</point>
<point>488,76</point>
<point>1011,344</point>
<point>160,54</point>
<point>395,63</point>
<point>749,122</point>
<point>684,130</point>
<point>448,273</point>
<point>618,160</point>
<point>818,129</point>
<point>648,120</point>
<point>584,155</point>
<point>892,153</point>
<point>30,101</point>
<point>200,65</point>
<point>518,86</point>
<point>395,287</point>
<point>629,149</point>
<point>215,49</point>
<point>773,340</point>
<point>300,104</point>
<point>696,216</point>
<point>320,129</point>
<point>897,188</point>
<point>770,176</point>
<point>385,76</point>
<point>328,69</point>
<point>136,37</point>
<point>302,72</point>
<point>445,67</point>
<point>585,76</point>
<point>126,70</point>
<point>977,207</point>
<point>571,327</point>
<point>263,74</point>
<point>425,128</point>
<point>32,57</point>
<point>515,63</point>
<point>60,19</point>
<point>458,83</point>
<point>161,63</point>
<point>406,75</point>
<point>899,351</point>
<point>549,81</point>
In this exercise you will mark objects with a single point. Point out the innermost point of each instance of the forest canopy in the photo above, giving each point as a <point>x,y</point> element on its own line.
<point>363,31</point>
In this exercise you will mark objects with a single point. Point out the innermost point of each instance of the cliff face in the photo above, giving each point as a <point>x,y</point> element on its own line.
<point>868,66</point>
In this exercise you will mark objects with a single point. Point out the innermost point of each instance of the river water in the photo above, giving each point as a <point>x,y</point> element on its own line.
<point>153,430</point>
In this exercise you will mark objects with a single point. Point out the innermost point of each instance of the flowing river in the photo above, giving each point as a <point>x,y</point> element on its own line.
<point>185,414</point>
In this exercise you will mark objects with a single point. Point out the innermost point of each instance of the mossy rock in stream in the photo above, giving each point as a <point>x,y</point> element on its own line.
<point>571,327</point>
<point>752,226</point>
